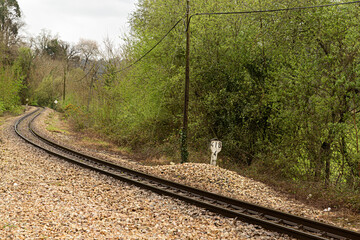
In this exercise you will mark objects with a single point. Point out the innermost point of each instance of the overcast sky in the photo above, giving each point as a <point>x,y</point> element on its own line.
<point>75,19</point>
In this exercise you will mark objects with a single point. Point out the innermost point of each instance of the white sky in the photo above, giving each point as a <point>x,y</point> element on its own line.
<point>75,19</point>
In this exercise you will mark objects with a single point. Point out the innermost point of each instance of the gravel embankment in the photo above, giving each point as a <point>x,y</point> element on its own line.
<point>203,176</point>
<point>207,177</point>
<point>44,197</point>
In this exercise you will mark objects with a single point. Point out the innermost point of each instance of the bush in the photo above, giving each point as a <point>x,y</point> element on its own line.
<point>2,107</point>
<point>48,90</point>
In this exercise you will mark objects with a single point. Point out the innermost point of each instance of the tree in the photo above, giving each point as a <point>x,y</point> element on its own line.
<point>280,89</point>
<point>48,45</point>
<point>22,67</point>
<point>10,23</point>
<point>88,50</point>
<point>60,57</point>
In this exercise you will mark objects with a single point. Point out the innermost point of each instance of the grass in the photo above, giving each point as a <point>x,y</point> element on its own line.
<point>52,128</point>
<point>54,124</point>
<point>59,123</point>
<point>97,142</point>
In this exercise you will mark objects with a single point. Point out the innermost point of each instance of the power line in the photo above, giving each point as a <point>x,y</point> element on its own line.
<point>86,74</point>
<point>275,10</point>
<point>234,13</point>
<point>139,59</point>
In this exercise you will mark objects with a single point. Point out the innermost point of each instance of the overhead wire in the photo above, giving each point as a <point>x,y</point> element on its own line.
<point>79,80</point>
<point>151,49</point>
<point>276,10</point>
<point>273,10</point>
<point>234,13</point>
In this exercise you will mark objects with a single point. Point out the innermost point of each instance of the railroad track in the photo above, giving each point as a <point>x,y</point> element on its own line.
<point>274,220</point>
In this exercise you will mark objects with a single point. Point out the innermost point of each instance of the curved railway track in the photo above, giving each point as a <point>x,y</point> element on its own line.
<point>292,225</point>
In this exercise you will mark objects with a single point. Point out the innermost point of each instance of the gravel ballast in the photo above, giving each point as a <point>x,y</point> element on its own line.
<point>43,197</point>
<point>199,175</point>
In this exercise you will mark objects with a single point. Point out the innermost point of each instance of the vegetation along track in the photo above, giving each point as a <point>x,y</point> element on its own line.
<point>292,225</point>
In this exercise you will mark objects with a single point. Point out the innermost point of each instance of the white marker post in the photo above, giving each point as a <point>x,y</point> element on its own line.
<point>215,147</point>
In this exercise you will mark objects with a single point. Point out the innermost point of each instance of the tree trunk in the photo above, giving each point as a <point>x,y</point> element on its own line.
<point>90,92</point>
<point>325,155</point>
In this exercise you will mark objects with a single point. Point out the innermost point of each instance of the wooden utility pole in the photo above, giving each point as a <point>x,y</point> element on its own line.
<point>64,86</point>
<point>184,150</point>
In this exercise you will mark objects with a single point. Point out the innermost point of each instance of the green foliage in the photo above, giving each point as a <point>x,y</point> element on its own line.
<point>11,79</point>
<point>9,90</point>
<point>280,90</point>
<point>10,23</point>
<point>279,87</point>
<point>2,107</point>
<point>75,114</point>
<point>22,70</point>
<point>48,91</point>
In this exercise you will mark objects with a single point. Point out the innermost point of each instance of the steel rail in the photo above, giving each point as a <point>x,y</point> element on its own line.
<point>271,219</point>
